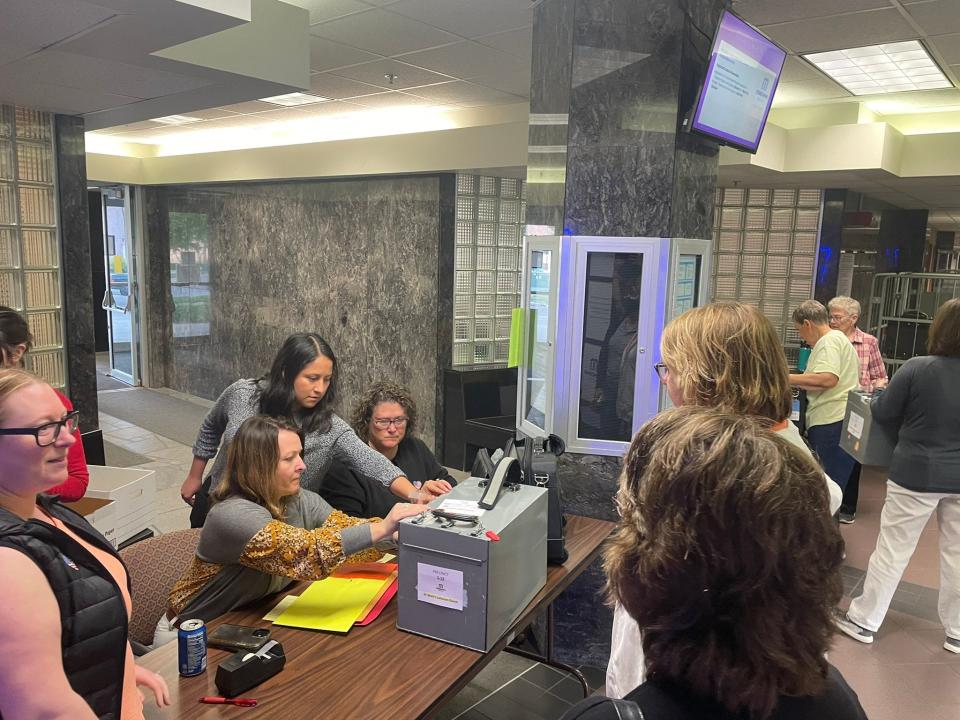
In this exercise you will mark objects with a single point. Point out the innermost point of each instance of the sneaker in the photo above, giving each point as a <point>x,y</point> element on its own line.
<point>951,645</point>
<point>858,633</point>
<point>847,518</point>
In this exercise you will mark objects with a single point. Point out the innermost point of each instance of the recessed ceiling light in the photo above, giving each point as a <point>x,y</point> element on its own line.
<point>294,99</point>
<point>176,120</point>
<point>889,68</point>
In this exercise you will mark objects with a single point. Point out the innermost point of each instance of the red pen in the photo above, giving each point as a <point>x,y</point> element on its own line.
<point>240,702</point>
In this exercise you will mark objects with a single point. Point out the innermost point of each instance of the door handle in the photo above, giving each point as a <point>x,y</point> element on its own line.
<point>108,302</point>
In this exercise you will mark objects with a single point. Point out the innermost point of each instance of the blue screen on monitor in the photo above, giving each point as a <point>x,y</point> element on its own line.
<point>742,76</point>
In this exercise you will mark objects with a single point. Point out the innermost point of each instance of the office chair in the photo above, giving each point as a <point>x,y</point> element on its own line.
<point>155,565</point>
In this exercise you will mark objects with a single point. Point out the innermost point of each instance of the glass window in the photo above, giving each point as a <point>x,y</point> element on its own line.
<point>686,287</point>
<point>190,274</point>
<point>609,355</point>
<point>540,355</point>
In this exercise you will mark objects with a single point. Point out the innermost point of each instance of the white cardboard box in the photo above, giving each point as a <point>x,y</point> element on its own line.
<point>133,492</point>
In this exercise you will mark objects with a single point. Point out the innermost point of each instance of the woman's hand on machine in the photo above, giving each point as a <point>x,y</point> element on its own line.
<point>382,529</point>
<point>437,487</point>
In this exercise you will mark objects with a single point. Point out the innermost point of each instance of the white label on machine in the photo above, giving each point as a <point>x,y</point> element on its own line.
<point>440,586</point>
<point>461,507</point>
<point>855,426</point>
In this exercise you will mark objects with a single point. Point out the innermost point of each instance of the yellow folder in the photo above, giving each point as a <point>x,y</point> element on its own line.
<point>336,603</point>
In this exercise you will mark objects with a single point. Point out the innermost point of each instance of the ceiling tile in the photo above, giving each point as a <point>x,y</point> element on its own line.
<point>466,94</point>
<point>382,32</point>
<point>246,108</point>
<point>407,76</point>
<point>949,47</point>
<point>938,17</point>
<point>842,31</point>
<point>339,88</point>
<point>322,10</point>
<point>766,12</point>
<point>330,109</point>
<point>807,91</point>
<point>37,24</point>
<point>393,100</point>
<point>516,42</point>
<point>329,55</point>
<point>468,59</point>
<point>469,18</point>
<point>513,83</point>
<point>61,98</point>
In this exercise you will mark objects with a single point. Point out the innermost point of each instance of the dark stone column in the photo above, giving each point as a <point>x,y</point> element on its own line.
<point>612,81</point>
<point>74,221</point>
<point>828,258</point>
<point>445,274</point>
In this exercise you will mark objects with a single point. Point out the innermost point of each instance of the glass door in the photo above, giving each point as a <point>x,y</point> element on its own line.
<point>120,298</point>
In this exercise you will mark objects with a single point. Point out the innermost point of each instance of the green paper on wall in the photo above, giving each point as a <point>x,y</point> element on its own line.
<point>517,335</point>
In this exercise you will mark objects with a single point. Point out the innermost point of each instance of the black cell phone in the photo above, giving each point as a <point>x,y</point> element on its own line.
<point>238,637</point>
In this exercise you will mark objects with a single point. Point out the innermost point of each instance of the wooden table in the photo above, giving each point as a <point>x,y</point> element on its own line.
<point>376,671</point>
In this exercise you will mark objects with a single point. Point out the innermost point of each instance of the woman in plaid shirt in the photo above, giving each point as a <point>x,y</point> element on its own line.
<point>844,314</point>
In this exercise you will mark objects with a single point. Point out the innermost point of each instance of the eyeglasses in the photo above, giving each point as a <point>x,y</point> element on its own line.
<point>662,371</point>
<point>47,434</point>
<point>838,318</point>
<point>384,423</point>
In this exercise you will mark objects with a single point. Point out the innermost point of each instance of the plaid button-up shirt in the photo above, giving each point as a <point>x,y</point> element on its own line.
<point>871,362</point>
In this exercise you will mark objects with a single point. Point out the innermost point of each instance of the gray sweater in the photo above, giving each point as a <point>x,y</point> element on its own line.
<point>230,526</point>
<point>239,402</point>
<point>922,404</point>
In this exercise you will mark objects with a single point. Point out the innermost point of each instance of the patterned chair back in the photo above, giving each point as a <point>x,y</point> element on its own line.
<point>155,565</point>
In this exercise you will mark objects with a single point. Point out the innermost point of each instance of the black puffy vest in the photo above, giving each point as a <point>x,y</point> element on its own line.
<point>92,612</point>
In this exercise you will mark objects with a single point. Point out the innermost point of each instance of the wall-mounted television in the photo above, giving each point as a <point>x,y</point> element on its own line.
<point>742,76</point>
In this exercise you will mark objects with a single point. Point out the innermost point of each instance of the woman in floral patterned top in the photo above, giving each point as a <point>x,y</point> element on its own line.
<point>263,532</point>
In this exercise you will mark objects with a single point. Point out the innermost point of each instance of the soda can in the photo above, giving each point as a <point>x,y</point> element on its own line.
<point>192,638</point>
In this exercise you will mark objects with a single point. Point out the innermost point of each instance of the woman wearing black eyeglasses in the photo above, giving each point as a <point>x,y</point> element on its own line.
<point>15,341</point>
<point>386,419</point>
<point>66,600</point>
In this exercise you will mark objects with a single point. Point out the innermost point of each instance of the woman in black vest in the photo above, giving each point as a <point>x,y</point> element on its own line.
<point>63,646</point>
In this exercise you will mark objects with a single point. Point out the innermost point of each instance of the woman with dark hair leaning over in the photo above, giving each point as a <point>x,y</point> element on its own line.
<point>386,419</point>
<point>736,615</point>
<point>922,405</point>
<point>302,388</point>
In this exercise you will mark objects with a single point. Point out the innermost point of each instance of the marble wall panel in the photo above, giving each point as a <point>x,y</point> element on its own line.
<point>74,222</point>
<point>356,261</point>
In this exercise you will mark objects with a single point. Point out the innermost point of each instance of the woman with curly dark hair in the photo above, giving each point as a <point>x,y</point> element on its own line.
<point>385,418</point>
<point>736,617</point>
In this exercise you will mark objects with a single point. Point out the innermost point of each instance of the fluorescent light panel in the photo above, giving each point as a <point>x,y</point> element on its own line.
<point>875,69</point>
<point>176,120</point>
<point>294,99</point>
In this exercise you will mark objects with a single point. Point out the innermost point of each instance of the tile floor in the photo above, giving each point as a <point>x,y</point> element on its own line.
<point>904,674</point>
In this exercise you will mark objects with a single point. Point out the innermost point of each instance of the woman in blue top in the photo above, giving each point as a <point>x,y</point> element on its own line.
<point>921,404</point>
<point>301,387</point>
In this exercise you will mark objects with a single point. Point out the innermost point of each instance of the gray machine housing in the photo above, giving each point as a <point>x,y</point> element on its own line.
<point>869,442</point>
<point>500,578</point>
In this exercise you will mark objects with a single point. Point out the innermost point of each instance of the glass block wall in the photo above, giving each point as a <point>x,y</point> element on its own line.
<point>29,251</point>
<point>490,214</point>
<point>766,251</point>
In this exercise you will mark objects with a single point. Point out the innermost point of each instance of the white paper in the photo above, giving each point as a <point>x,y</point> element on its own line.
<point>440,586</point>
<point>462,507</point>
<point>855,426</point>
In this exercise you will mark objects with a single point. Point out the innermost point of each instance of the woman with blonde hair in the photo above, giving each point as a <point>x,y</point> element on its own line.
<point>64,653</point>
<point>725,355</point>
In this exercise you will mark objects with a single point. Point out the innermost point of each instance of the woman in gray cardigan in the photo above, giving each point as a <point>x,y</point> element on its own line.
<point>922,404</point>
<point>301,387</point>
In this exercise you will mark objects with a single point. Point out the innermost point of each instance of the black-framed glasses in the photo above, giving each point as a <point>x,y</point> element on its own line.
<point>47,434</point>
<point>662,371</point>
<point>384,423</point>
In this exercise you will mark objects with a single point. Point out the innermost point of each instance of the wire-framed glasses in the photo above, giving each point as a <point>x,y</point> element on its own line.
<point>384,423</point>
<point>48,433</point>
